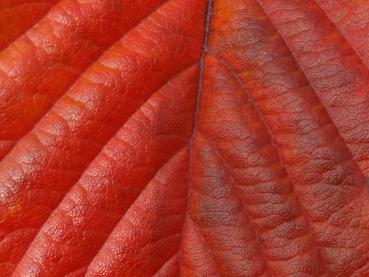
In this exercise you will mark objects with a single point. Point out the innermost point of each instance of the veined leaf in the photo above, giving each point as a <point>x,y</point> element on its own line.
<point>184,138</point>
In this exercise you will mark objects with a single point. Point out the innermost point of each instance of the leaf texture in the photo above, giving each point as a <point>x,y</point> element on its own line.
<point>184,138</point>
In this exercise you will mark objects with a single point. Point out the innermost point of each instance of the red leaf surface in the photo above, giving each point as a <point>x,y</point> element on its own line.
<point>184,138</point>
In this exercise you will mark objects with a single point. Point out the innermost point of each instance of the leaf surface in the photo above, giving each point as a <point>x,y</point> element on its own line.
<point>184,138</point>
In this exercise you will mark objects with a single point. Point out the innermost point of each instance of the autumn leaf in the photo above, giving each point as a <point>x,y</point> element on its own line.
<point>184,138</point>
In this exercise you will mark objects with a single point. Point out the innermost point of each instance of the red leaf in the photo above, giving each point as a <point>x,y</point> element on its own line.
<point>184,138</point>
